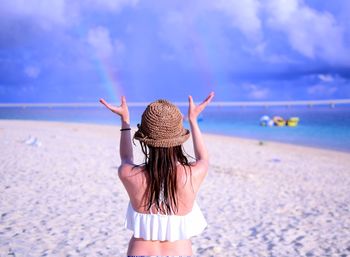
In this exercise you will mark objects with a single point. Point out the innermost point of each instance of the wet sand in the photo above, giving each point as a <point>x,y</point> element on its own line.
<point>60,195</point>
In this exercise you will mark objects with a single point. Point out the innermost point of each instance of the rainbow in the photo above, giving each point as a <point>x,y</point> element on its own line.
<point>201,55</point>
<point>107,72</point>
<point>110,80</point>
<point>112,84</point>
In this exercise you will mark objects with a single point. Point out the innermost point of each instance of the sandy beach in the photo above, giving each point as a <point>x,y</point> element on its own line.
<point>60,195</point>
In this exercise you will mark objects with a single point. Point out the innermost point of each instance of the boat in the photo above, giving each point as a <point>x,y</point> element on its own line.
<point>279,121</point>
<point>293,122</point>
<point>264,120</point>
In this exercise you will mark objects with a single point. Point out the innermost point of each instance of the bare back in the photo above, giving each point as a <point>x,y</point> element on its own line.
<point>188,183</point>
<point>135,182</point>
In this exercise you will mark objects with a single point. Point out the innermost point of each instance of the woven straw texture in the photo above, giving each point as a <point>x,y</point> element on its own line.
<point>161,125</point>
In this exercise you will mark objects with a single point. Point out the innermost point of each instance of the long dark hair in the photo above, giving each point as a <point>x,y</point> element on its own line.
<point>160,168</point>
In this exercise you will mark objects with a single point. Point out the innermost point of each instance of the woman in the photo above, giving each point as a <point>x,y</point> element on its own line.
<point>162,212</point>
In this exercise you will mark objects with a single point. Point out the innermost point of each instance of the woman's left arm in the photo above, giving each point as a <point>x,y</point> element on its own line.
<point>125,149</point>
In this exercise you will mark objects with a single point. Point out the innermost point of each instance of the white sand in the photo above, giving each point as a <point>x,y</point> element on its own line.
<point>60,195</point>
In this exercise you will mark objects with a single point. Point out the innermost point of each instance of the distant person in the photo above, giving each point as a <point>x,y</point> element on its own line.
<point>162,213</point>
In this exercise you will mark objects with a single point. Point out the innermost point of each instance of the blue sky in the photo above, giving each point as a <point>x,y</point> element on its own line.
<point>248,50</point>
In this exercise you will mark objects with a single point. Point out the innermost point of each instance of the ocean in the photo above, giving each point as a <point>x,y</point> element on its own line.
<point>319,126</point>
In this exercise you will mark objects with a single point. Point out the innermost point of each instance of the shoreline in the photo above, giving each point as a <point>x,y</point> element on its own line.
<point>224,136</point>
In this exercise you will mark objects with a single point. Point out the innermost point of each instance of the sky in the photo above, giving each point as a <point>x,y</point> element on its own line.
<point>247,50</point>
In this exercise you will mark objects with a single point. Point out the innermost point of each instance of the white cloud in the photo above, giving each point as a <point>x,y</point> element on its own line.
<point>313,34</point>
<point>99,38</point>
<point>310,32</point>
<point>110,5</point>
<point>176,29</point>
<point>326,77</point>
<point>243,14</point>
<point>261,50</point>
<point>179,24</point>
<point>176,32</point>
<point>256,92</point>
<point>58,12</point>
<point>52,11</point>
<point>32,71</point>
<point>321,90</point>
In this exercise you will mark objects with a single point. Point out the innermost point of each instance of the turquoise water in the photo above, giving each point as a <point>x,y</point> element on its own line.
<point>322,127</point>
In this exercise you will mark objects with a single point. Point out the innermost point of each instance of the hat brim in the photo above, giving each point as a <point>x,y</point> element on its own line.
<point>165,142</point>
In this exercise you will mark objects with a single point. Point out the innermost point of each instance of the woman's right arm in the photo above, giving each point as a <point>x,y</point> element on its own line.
<point>200,150</point>
<point>125,149</point>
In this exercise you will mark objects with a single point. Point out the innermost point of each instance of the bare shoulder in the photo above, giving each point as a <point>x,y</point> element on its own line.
<point>199,170</point>
<point>128,171</point>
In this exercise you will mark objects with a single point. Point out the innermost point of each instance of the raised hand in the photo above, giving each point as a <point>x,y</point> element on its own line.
<point>122,110</point>
<point>194,110</point>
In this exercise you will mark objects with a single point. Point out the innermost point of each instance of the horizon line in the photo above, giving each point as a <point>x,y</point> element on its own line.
<point>331,102</point>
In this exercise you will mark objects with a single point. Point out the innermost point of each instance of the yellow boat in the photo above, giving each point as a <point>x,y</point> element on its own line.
<point>279,121</point>
<point>293,121</point>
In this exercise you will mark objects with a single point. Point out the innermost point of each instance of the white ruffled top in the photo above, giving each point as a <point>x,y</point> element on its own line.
<point>165,227</point>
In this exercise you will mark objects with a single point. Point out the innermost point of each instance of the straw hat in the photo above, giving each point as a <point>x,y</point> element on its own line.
<point>161,125</point>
